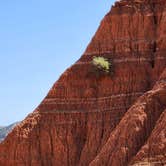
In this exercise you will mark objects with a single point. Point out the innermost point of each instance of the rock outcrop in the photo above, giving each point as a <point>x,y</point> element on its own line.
<point>108,119</point>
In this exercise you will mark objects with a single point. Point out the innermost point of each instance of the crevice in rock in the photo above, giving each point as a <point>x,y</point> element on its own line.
<point>154,44</point>
<point>154,50</point>
<point>155,20</point>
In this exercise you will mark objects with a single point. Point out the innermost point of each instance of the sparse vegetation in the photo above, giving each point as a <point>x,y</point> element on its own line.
<point>102,63</point>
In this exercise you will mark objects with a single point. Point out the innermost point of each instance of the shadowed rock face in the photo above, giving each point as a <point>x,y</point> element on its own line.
<point>108,119</point>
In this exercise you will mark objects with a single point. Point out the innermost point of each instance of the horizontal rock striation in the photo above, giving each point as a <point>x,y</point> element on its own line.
<point>90,118</point>
<point>134,128</point>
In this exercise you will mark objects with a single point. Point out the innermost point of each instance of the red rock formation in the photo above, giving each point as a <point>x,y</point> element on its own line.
<point>89,120</point>
<point>134,129</point>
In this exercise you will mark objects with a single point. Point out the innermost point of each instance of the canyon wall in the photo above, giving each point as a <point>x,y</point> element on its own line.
<point>87,119</point>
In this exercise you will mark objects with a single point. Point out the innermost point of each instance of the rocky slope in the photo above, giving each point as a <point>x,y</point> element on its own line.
<point>108,119</point>
<point>4,131</point>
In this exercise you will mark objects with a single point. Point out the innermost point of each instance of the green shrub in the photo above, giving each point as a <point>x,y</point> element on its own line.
<point>102,63</point>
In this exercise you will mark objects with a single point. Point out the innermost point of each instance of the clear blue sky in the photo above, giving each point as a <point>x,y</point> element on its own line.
<point>39,39</point>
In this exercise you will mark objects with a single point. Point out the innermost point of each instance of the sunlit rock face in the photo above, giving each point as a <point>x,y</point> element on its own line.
<point>93,118</point>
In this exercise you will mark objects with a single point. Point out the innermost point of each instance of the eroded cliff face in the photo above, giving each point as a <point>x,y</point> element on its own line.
<point>106,120</point>
<point>135,128</point>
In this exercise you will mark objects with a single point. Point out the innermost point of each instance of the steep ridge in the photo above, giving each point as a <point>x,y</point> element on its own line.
<point>80,115</point>
<point>134,128</point>
<point>154,150</point>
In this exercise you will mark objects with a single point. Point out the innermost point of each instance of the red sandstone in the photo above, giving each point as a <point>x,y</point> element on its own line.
<point>115,120</point>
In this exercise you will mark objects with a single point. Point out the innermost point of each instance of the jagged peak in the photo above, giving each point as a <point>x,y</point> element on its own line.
<point>130,6</point>
<point>127,2</point>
